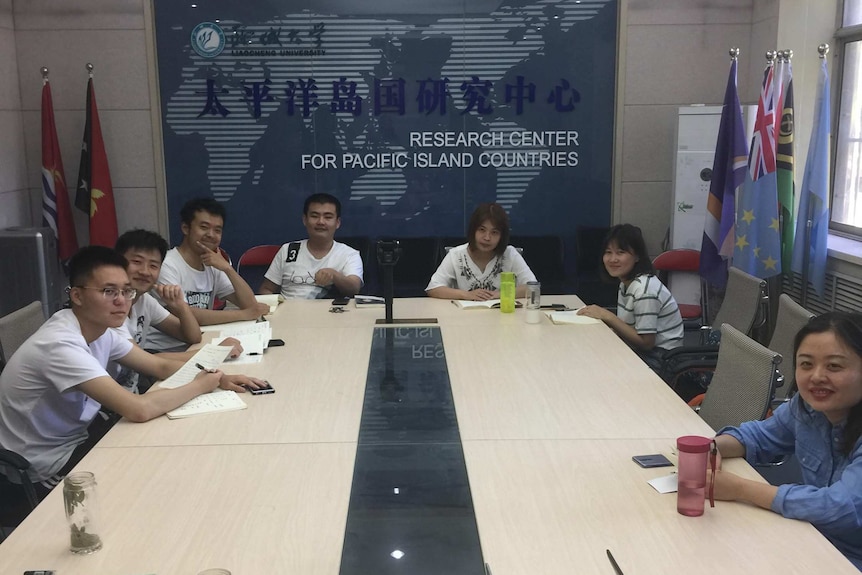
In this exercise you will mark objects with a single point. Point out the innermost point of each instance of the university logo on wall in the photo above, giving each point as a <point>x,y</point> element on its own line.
<point>207,40</point>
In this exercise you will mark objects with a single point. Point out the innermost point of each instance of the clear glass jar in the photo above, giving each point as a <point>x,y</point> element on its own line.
<point>79,496</point>
<point>534,302</point>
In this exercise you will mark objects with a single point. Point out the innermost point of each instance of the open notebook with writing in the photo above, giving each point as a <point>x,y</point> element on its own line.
<point>214,402</point>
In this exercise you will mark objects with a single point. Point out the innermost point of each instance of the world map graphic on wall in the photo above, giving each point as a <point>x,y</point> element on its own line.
<point>411,114</point>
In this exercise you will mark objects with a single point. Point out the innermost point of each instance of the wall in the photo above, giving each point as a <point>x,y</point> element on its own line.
<point>14,196</point>
<point>674,52</point>
<point>64,36</point>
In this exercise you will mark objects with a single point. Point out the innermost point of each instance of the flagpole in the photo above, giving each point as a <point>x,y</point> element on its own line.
<point>822,49</point>
<point>44,72</point>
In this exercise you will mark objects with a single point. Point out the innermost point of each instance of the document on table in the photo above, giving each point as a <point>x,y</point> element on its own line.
<point>570,318</point>
<point>210,356</point>
<point>218,327</point>
<point>213,402</point>
<point>665,484</point>
<point>254,339</point>
<point>270,299</point>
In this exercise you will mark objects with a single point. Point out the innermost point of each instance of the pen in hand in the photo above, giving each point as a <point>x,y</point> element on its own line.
<point>202,368</point>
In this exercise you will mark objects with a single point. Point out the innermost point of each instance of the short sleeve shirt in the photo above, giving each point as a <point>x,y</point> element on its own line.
<point>42,416</point>
<point>457,270</point>
<point>294,268</point>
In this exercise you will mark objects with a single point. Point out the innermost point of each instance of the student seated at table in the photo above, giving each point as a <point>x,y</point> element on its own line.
<point>647,317</point>
<point>471,271</point>
<point>55,383</point>
<point>822,425</point>
<point>318,267</point>
<point>197,266</point>
<point>145,251</point>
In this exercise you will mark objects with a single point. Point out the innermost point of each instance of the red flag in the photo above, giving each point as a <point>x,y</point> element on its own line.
<point>95,194</point>
<point>56,211</point>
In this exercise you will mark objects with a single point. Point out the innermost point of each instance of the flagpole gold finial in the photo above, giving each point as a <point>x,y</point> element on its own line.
<point>90,69</point>
<point>734,53</point>
<point>44,71</point>
<point>823,49</point>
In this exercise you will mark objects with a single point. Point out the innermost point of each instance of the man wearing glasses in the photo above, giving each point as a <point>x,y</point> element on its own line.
<point>200,270</point>
<point>318,267</point>
<point>55,383</point>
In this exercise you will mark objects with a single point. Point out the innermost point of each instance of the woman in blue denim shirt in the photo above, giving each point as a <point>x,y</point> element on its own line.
<point>822,424</point>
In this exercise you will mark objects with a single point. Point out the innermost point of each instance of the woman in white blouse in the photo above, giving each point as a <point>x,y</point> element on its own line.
<point>472,271</point>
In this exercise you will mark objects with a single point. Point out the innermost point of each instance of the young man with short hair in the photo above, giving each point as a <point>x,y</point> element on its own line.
<point>55,383</point>
<point>144,251</point>
<point>318,267</point>
<point>199,269</point>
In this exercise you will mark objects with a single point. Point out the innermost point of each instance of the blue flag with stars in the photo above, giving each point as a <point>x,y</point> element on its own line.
<point>757,249</point>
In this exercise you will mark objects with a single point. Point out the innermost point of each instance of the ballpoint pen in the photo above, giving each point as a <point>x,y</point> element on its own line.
<point>614,564</point>
<point>202,368</point>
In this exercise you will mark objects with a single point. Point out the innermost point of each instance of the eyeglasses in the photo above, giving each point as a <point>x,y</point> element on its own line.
<point>112,293</point>
<point>302,280</point>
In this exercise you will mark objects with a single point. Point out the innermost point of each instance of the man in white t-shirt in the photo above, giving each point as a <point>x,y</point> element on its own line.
<point>318,267</point>
<point>55,383</point>
<point>200,270</point>
<point>144,251</point>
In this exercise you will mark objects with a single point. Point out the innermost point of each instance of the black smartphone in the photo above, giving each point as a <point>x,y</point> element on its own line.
<point>262,390</point>
<point>275,343</point>
<point>653,460</point>
<point>341,301</point>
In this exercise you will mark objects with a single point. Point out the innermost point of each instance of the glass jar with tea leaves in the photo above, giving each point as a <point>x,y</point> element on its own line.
<point>79,496</point>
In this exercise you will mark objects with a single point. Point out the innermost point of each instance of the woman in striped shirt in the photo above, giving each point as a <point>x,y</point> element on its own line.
<point>647,316</point>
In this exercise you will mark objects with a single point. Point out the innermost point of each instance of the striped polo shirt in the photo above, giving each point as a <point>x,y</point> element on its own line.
<point>646,305</point>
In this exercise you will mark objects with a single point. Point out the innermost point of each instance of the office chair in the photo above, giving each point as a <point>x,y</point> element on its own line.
<point>745,307</point>
<point>791,318</point>
<point>682,261</point>
<point>16,327</point>
<point>254,262</point>
<point>18,499</point>
<point>744,381</point>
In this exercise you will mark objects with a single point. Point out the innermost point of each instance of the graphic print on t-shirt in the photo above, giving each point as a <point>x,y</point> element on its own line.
<point>199,299</point>
<point>292,251</point>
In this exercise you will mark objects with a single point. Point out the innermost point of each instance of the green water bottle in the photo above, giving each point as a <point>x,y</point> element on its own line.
<point>507,292</point>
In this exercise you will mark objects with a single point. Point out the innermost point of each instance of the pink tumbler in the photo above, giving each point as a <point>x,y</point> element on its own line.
<point>693,454</point>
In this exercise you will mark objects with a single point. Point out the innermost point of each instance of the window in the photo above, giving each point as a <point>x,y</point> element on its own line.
<point>847,180</point>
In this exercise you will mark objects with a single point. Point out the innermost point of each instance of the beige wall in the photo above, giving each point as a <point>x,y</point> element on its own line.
<point>674,52</point>
<point>14,197</point>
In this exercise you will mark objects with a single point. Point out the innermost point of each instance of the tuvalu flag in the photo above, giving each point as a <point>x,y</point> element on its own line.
<point>56,211</point>
<point>758,238</point>
<point>784,163</point>
<point>728,173</point>
<point>95,195</point>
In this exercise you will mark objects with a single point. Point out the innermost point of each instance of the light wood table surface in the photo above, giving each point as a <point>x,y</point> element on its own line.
<point>252,509</point>
<point>549,417</point>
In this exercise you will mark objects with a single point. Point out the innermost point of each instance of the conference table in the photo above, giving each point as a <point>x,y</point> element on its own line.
<point>549,417</point>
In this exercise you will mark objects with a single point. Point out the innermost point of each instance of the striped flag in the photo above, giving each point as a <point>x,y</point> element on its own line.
<point>758,237</point>
<point>784,161</point>
<point>56,211</point>
<point>728,173</point>
<point>95,195</point>
<point>814,196</point>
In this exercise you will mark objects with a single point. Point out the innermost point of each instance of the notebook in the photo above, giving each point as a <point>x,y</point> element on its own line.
<point>570,318</point>
<point>213,402</point>
<point>487,304</point>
